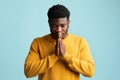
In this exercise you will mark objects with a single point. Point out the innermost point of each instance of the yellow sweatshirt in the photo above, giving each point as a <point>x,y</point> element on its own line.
<point>43,62</point>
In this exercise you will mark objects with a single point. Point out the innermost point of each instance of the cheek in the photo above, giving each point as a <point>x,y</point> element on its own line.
<point>52,30</point>
<point>65,29</point>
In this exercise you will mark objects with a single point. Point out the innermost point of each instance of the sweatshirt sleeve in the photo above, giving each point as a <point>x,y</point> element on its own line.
<point>84,64</point>
<point>34,65</point>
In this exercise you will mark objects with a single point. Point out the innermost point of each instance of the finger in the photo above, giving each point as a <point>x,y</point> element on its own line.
<point>57,47</point>
<point>60,47</point>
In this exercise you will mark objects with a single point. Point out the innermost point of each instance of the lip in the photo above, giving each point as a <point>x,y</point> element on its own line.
<point>58,35</point>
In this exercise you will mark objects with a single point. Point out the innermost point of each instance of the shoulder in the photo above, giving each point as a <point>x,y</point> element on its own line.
<point>81,39</point>
<point>41,39</point>
<point>73,36</point>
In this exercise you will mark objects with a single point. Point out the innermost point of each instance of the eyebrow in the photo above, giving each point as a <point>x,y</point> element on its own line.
<point>59,24</point>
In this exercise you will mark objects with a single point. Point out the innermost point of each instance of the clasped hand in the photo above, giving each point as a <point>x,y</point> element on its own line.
<point>59,48</point>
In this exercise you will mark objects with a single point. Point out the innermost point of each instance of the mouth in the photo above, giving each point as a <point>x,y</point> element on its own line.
<point>57,35</point>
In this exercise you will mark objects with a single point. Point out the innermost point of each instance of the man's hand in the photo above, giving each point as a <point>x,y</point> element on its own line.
<point>59,48</point>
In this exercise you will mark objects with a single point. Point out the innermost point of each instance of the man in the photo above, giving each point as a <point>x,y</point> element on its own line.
<point>59,55</point>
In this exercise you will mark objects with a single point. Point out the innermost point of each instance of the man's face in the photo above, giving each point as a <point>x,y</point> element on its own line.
<point>59,27</point>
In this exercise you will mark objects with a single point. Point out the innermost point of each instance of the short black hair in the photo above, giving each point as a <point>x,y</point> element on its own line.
<point>58,11</point>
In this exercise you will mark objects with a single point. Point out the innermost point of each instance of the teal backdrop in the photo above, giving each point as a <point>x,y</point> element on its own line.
<point>96,20</point>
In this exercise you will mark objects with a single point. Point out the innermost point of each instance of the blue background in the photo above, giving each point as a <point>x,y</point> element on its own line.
<point>96,20</point>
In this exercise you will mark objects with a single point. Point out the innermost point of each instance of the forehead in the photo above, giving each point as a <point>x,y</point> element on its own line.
<point>59,20</point>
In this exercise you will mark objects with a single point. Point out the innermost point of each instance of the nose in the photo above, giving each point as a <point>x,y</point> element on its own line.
<point>59,29</point>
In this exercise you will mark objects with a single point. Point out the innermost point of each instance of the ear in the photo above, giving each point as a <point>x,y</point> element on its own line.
<point>49,22</point>
<point>68,21</point>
